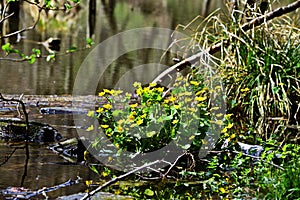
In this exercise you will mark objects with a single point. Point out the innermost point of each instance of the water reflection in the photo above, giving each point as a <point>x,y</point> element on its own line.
<point>95,19</point>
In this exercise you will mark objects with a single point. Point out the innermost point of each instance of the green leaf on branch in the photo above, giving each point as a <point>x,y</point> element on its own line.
<point>8,49</point>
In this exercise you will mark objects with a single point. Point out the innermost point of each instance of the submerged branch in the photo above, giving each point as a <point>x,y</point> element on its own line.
<point>112,181</point>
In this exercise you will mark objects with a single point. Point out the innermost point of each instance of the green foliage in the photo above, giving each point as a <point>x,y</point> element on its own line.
<point>131,125</point>
<point>261,72</point>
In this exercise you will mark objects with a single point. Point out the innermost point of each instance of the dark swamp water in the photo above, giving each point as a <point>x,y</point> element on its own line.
<point>94,19</point>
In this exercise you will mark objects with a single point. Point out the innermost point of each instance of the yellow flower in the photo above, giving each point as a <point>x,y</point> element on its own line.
<point>101,94</point>
<point>139,91</point>
<point>175,121</point>
<point>222,190</point>
<point>192,137</point>
<point>224,130</point>
<point>179,78</point>
<point>99,110</point>
<point>104,173</point>
<point>117,145</point>
<point>194,83</point>
<point>188,93</point>
<point>214,108</point>
<point>227,116</point>
<point>230,125</point>
<point>143,115</point>
<point>88,182</point>
<point>137,84</point>
<point>133,105</point>
<point>107,91</point>
<point>117,92</point>
<point>104,126</point>
<point>200,99</point>
<point>160,89</point>
<point>139,122</point>
<point>245,90</point>
<point>90,113</point>
<point>177,106</point>
<point>90,128</point>
<point>120,129</point>
<point>117,192</point>
<point>172,99</point>
<point>152,84</point>
<point>107,106</point>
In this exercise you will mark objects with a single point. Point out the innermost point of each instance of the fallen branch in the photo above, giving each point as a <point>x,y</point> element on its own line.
<point>114,180</point>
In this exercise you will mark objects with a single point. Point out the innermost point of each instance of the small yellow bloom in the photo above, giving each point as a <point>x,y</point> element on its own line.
<point>139,91</point>
<point>232,136</point>
<point>99,110</point>
<point>172,99</point>
<point>107,91</point>
<point>245,90</point>
<point>90,128</point>
<point>188,93</point>
<point>192,137</point>
<point>117,92</point>
<point>224,130</point>
<point>200,98</point>
<point>194,83</point>
<point>214,108</point>
<point>117,145</point>
<point>117,192</point>
<point>120,129</point>
<point>133,105</point>
<point>107,106</point>
<point>101,94</point>
<point>160,89</point>
<point>175,121</point>
<point>222,190</point>
<point>104,126</point>
<point>227,116</point>
<point>152,84</point>
<point>90,113</point>
<point>104,173</point>
<point>177,106</point>
<point>137,84</point>
<point>143,115</point>
<point>179,78</point>
<point>88,182</point>
<point>139,122</point>
<point>230,125</point>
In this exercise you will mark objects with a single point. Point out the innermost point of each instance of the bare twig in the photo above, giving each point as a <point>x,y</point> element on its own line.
<point>112,181</point>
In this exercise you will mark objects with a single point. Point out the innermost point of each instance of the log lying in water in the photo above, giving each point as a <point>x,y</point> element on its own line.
<point>14,130</point>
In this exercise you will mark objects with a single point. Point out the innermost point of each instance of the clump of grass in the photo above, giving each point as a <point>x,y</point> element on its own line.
<point>260,69</point>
